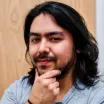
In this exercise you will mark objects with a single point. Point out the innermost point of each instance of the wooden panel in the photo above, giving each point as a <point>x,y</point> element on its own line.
<point>12,47</point>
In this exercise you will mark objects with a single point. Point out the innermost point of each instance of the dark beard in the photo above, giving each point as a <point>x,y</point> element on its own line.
<point>66,69</point>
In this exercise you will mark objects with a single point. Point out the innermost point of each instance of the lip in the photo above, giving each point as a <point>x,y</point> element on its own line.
<point>44,61</point>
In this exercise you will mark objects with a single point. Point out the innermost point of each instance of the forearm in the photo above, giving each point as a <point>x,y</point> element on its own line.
<point>27,102</point>
<point>36,103</point>
<point>32,102</point>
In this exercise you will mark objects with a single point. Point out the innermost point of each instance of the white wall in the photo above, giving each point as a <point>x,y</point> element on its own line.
<point>100,32</point>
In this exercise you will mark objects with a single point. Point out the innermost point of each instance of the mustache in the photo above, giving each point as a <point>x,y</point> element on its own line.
<point>44,56</point>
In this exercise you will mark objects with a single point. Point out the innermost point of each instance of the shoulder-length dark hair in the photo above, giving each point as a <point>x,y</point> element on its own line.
<point>66,17</point>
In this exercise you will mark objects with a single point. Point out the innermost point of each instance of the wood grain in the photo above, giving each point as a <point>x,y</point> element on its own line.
<point>12,47</point>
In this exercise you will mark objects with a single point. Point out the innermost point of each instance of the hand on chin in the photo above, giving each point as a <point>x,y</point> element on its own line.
<point>45,68</point>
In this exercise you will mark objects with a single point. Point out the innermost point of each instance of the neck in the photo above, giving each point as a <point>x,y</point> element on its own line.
<point>64,84</point>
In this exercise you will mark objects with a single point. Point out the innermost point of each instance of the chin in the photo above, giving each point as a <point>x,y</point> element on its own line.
<point>44,69</point>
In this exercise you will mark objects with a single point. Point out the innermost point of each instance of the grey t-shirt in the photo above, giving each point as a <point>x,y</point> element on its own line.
<point>19,91</point>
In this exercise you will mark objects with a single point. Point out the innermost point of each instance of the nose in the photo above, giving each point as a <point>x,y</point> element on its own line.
<point>43,47</point>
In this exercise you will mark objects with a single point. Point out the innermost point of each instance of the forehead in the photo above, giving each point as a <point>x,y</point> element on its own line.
<point>45,23</point>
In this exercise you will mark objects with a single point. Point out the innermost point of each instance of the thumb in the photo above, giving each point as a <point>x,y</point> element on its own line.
<point>36,75</point>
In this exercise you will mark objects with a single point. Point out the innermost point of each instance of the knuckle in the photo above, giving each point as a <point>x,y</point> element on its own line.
<point>50,87</point>
<point>56,91</point>
<point>54,79</point>
<point>39,80</point>
<point>43,83</point>
<point>57,83</point>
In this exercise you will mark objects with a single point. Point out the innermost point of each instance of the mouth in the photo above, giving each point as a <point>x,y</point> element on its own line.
<point>44,61</point>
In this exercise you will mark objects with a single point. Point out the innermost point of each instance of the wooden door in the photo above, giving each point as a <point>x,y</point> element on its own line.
<point>12,47</point>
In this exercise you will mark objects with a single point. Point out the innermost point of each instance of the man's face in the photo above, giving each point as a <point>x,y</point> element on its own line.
<point>50,46</point>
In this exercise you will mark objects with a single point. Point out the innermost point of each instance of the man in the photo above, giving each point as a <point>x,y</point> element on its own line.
<point>64,58</point>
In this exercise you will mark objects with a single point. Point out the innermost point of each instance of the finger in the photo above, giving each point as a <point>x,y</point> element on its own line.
<point>46,82</point>
<point>50,74</point>
<point>36,75</point>
<point>56,91</point>
<point>53,85</point>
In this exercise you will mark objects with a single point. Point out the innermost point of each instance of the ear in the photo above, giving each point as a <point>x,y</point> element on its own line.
<point>78,51</point>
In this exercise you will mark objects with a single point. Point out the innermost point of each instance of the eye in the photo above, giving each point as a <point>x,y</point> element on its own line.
<point>55,39</point>
<point>34,40</point>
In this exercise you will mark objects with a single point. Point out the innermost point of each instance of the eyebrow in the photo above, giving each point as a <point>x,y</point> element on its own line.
<point>46,34</point>
<point>34,34</point>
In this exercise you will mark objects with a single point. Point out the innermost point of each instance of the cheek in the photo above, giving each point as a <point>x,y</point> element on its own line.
<point>32,51</point>
<point>64,52</point>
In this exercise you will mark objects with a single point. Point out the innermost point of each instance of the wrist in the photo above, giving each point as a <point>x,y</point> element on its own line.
<point>33,100</point>
<point>29,102</point>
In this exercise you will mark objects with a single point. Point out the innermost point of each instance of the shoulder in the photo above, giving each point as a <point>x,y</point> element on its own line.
<point>14,93</point>
<point>99,87</point>
<point>96,95</point>
<point>22,83</point>
<point>90,95</point>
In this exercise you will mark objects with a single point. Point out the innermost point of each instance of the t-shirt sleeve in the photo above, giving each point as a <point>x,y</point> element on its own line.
<point>17,93</point>
<point>9,96</point>
<point>98,96</point>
